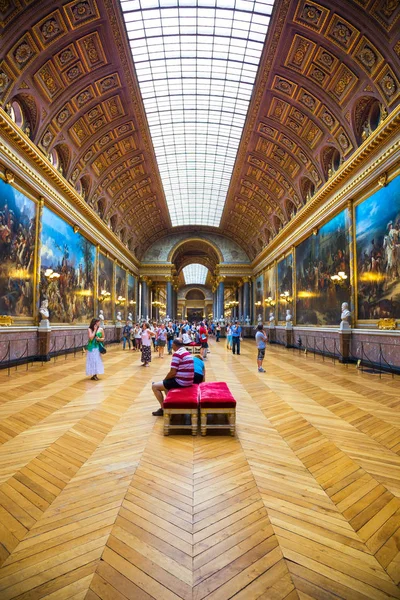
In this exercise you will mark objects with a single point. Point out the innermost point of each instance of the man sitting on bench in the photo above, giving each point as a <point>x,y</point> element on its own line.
<point>180,374</point>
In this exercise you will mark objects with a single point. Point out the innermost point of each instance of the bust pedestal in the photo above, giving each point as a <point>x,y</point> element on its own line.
<point>44,341</point>
<point>289,335</point>
<point>344,344</point>
<point>272,334</point>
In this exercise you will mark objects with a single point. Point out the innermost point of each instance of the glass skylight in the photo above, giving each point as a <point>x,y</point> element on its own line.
<point>195,273</point>
<point>196,62</point>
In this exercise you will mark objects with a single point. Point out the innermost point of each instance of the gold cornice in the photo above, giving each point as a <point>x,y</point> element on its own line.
<point>337,191</point>
<point>34,168</point>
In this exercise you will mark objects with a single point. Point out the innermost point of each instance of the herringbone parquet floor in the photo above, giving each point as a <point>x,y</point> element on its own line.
<point>303,503</point>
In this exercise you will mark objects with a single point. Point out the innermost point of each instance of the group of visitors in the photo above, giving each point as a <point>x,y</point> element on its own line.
<point>186,368</point>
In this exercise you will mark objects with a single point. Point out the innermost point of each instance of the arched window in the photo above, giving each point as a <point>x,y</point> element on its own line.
<point>54,158</point>
<point>307,189</point>
<point>331,160</point>
<point>368,114</point>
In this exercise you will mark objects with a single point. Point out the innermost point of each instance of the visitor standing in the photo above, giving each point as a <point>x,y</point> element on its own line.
<point>180,374</point>
<point>236,332</point>
<point>137,334</point>
<point>94,364</point>
<point>161,336</point>
<point>147,336</point>
<point>170,336</point>
<point>203,335</point>
<point>126,335</point>
<point>261,342</point>
<point>218,332</point>
<point>229,336</point>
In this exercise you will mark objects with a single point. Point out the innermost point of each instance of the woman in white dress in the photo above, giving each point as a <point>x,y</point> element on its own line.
<point>94,364</point>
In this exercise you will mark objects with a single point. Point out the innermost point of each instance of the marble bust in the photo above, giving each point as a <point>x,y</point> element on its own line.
<point>44,314</point>
<point>289,318</point>
<point>130,319</point>
<point>345,316</point>
<point>272,319</point>
<point>101,318</point>
<point>247,320</point>
<point>119,319</point>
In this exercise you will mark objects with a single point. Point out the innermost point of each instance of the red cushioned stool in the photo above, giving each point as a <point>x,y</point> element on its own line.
<point>181,401</point>
<point>216,398</point>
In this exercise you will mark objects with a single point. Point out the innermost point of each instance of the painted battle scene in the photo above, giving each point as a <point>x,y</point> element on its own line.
<point>120,290</point>
<point>17,249</point>
<point>67,271</point>
<point>378,254</point>
<point>270,291</point>
<point>131,295</point>
<point>285,284</point>
<point>317,258</point>
<point>106,267</point>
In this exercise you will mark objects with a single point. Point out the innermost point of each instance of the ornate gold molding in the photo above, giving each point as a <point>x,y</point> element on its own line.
<point>352,177</point>
<point>37,173</point>
<point>386,324</point>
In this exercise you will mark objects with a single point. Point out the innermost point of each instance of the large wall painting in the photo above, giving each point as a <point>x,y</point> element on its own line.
<point>120,290</point>
<point>67,271</point>
<point>259,296</point>
<point>106,268</point>
<point>285,286</point>
<point>132,295</point>
<point>317,259</point>
<point>378,253</point>
<point>17,246</point>
<point>270,290</point>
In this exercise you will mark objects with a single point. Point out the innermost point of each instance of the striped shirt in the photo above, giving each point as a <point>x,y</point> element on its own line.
<point>182,361</point>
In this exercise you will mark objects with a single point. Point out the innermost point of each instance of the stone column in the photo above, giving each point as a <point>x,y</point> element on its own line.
<point>146,306</point>
<point>169,291</point>
<point>175,301</point>
<point>221,290</point>
<point>241,311</point>
<point>246,299</point>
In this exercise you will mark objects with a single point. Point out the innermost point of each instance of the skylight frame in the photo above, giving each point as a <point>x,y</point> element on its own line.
<point>195,273</point>
<point>196,63</point>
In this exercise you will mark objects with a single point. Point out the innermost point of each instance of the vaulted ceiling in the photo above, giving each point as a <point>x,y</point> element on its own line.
<point>324,66</point>
<point>68,64</point>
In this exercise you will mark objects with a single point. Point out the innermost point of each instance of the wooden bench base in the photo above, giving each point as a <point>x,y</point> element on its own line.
<point>229,412</point>
<point>168,412</point>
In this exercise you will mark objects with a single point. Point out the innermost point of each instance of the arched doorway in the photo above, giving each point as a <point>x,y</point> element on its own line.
<point>195,305</point>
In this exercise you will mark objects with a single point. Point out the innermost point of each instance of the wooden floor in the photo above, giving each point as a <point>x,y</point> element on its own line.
<point>303,503</point>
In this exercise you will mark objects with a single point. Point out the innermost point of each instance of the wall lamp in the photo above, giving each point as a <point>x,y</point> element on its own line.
<point>269,301</point>
<point>286,296</point>
<point>50,274</point>
<point>339,278</point>
<point>104,295</point>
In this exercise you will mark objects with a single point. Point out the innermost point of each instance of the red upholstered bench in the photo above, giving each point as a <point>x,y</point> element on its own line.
<point>216,398</point>
<point>193,347</point>
<point>181,401</point>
